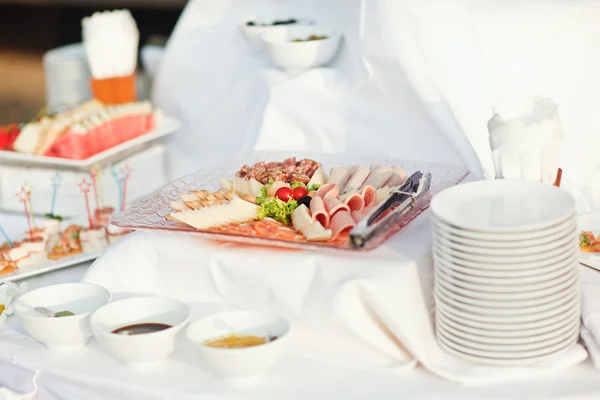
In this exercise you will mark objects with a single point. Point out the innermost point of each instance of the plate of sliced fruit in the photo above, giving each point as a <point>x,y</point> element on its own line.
<point>86,135</point>
<point>275,199</point>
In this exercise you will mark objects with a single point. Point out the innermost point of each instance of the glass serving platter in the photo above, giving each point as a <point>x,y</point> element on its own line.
<point>150,213</point>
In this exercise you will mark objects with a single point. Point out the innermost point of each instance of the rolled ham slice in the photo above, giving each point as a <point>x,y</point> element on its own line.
<point>355,202</point>
<point>359,176</point>
<point>341,222</point>
<point>333,205</point>
<point>398,177</point>
<point>328,190</point>
<point>357,216</point>
<point>318,212</point>
<point>369,194</point>
<point>378,177</point>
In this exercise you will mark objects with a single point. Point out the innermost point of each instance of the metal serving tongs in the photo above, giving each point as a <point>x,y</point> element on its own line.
<point>391,210</point>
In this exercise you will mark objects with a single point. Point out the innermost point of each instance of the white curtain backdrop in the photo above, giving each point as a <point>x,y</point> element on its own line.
<point>413,80</point>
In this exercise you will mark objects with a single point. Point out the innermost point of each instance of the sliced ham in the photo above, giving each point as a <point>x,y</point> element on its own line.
<point>359,176</point>
<point>357,216</point>
<point>341,222</point>
<point>318,212</point>
<point>398,177</point>
<point>333,205</point>
<point>355,201</point>
<point>369,194</point>
<point>378,177</point>
<point>328,190</point>
<point>337,174</point>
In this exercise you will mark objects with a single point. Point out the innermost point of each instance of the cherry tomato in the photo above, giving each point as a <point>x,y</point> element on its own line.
<point>300,192</point>
<point>284,194</point>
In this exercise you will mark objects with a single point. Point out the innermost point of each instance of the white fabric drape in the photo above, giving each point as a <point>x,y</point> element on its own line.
<point>415,80</point>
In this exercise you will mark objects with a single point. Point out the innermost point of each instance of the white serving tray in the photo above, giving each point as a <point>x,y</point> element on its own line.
<point>49,266</point>
<point>168,126</point>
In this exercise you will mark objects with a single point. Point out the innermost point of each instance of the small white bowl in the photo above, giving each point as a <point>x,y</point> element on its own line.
<point>61,333</point>
<point>144,350</point>
<point>295,57</point>
<point>253,33</point>
<point>241,362</point>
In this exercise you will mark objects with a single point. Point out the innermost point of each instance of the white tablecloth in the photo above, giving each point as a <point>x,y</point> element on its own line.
<point>294,377</point>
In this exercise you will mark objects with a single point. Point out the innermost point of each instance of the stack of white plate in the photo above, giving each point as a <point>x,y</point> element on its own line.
<point>506,271</point>
<point>67,77</point>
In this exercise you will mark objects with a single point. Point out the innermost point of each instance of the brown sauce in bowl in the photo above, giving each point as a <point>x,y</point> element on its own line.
<point>140,329</point>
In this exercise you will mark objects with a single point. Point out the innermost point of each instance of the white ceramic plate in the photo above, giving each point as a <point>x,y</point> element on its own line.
<point>486,315</point>
<point>459,338</point>
<point>522,362</point>
<point>503,205</point>
<point>483,357</point>
<point>508,337</point>
<point>568,248</point>
<point>509,305</point>
<point>515,291</point>
<point>544,242</point>
<point>476,248</point>
<point>501,237</point>
<point>483,277</point>
<point>516,269</point>
<point>168,126</point>
<point>507,300</point>
<point>512,329</point>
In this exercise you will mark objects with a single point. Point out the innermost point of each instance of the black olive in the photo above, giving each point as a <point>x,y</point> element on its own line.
<point>305,200</point>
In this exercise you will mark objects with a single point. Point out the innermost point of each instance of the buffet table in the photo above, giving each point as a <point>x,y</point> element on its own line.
<point>296,376</point>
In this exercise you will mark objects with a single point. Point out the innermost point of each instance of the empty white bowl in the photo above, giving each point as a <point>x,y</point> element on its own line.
<point>295,57</point>
<point>253,33</point>
<point>240,362</point>
<point>61,333</point>
<point>144,350</point>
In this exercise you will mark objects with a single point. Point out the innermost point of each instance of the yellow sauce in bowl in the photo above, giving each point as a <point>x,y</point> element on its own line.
<point>234,341</point>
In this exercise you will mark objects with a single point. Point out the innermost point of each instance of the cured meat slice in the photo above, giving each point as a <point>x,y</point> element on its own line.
<point>369,194</point>
<point>328,190</point>
<point>318,212</point>
<point>359,176</point>
<point>341,222</point>
<point>337,175</point>
<point>378,177</point>
<point>357,216</point>
<point>355,202</point>
<point>333,205</point>
<point>398,177</point>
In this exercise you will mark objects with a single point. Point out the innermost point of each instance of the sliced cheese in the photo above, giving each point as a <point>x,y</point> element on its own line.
<point>301,218</point>
<point>316,232</point>
<point>254,186</point>
<point>318,178</point>
<point>226,184</point>
<point>237,210</point>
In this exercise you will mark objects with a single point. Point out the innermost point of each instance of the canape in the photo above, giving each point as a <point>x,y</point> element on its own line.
<point>93,239</point>
<point>52,230</point>
<point>36,248</point>
<point>102,215</point>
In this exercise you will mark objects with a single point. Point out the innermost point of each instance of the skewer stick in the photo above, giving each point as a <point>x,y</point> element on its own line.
<point>6,237</point>
<point>84,186</point>
<point>56,180</point>
<point>23,197</point>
